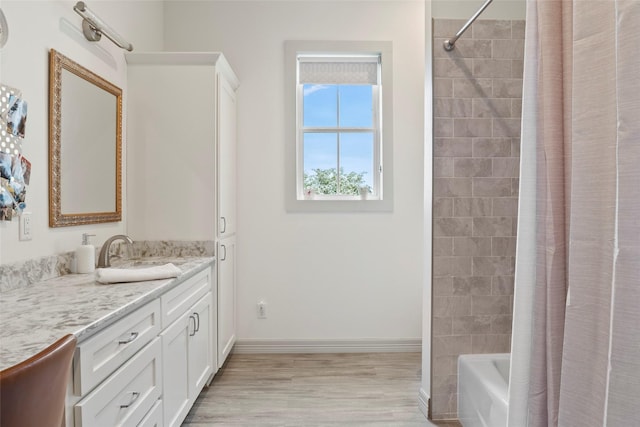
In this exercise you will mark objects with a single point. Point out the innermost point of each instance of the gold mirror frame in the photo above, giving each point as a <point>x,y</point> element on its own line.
<point>58,63</point>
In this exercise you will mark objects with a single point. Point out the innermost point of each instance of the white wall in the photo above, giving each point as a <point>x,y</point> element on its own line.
<point>464,9</point>
<point>425,384</point>
<point>324,276</point>
<point>35,28</point>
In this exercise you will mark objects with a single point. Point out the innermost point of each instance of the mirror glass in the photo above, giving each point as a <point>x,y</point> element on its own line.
<point>85,143</point>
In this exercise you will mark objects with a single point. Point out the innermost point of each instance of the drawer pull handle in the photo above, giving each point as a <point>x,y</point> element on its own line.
<point>132,337</point>
<point>134,397</point>
<point>194,325</point>
<point>225,252</point>
<point>198,322</point>
<point>224,225</point>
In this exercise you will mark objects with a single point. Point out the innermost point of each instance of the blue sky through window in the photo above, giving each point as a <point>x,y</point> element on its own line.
<point>356,154</point>
<point>320,106</point>
<point>356,106</point>
<point>320,151</point>
<point>320,110</point>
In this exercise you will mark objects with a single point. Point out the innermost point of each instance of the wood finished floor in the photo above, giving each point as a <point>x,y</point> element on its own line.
<point>305,390</point>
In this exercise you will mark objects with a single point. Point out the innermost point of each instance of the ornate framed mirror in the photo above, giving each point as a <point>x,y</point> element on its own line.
<point>85,145</point>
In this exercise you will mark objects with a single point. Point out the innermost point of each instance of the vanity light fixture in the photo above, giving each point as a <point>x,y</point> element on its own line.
<point>94,27</point>
<point>4,29</point>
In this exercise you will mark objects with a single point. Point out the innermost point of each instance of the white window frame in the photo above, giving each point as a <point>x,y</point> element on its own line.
<point>295,199</point>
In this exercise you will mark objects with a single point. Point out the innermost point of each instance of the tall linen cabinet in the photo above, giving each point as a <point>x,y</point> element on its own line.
<point>181,162</point>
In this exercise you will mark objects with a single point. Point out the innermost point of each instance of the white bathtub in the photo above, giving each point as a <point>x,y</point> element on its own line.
<point>483,380</point>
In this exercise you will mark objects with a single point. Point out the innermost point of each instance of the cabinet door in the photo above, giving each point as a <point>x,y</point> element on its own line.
<point>226,297</point>
<point>200,346</point>
<point>226,160</point>
<point>175,342</point>
<point>170,111</point>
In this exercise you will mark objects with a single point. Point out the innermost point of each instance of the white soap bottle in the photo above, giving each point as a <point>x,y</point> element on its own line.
<point>85,256</point>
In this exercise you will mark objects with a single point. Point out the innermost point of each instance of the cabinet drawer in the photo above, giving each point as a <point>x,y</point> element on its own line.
<point>153,417</point>
<point>103,353</point>
<point>126,397</point>
<point>178,300</point>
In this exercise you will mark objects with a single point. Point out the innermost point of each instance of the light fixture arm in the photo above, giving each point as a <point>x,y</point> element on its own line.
<point>94,27</point>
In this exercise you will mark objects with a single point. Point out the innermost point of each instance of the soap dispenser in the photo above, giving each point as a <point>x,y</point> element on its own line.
<point>86,256</point>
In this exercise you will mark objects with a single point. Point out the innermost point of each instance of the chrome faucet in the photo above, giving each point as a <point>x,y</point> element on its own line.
<point>103,258</point>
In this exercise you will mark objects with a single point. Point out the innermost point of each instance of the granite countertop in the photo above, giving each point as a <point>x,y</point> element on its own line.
<point>35,316</point>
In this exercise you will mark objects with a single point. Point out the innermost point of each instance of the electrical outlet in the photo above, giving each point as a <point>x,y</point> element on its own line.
<point>262,310</point>
<point>24,228</point>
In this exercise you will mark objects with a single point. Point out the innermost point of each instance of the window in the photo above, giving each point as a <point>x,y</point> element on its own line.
<point>338,126</point>
<point>340,144</point>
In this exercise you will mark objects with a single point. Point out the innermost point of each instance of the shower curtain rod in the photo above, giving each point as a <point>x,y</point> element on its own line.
<point>449,44</point>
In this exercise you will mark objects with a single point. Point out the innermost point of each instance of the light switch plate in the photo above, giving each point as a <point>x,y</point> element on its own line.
<point>25,226</point>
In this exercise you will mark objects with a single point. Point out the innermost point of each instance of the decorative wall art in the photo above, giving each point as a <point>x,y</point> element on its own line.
<point>15,169</point>
<point>16,116</point>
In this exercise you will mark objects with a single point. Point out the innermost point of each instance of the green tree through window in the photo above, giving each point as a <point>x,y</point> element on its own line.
<point>325,181</point>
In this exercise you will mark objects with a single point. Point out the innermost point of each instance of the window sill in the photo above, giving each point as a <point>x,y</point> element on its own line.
<point>332,205</point>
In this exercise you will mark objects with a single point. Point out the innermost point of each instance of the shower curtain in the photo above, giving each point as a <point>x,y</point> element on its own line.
<point>576,340</point>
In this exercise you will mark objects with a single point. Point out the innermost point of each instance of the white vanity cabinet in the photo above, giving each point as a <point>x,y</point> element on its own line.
<point>103,353</point>
<point>187,347</point>
<point>226,210</point>
<point>226,297</point>
<point>126,396</point>
<point>202,359</point>
<point>116,372</point>
<point>226,158</point>
<point>181,152</point>
<point>147,368</point>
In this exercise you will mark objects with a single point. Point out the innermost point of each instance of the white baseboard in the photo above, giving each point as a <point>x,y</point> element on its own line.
<point>328,346</point>
<point>423,402</point>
